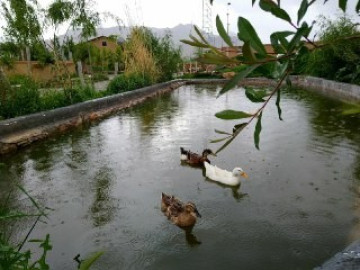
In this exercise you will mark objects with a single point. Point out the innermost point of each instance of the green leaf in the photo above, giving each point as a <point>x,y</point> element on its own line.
<point>239,127</point>
<point>349,110</point>
<point>357,8</point>
<point>32,201</point>
<point>212,58</point>
<point>225,144</point>
<point>342,4</point>
<point>274,9</point>
<point>231,115</point>
<point>234,81</point>
<point>302,10</point>
<point>277,37</point>
<point>222,32</point>
<point>275,70</point>
<point>247,33</point>
<point>248,53</point>
<point>222,132</point>
<point>257,132</point>
<point>278,97</point>
<point>220,140</point>
<point>200,35</point>
<point>255,96</point>
<point>86,264</point>
<point>295,41</point>
<point>13,215</point>
<point>194,44</point>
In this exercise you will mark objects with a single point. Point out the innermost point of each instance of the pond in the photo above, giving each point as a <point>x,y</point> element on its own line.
<point>299,206</point>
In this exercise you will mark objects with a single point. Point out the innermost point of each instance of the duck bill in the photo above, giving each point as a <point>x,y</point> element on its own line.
<point>244,174</point>
<point>213,154</point>
<point>197,213</point>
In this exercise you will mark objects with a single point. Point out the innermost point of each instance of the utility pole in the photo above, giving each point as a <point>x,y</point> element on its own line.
<point>227,17</point>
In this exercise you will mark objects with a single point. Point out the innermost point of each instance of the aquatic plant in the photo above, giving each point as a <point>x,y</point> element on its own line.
<point>13,255</point>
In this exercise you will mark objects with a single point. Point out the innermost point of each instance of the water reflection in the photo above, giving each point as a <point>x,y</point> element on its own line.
<point>190,237</point>
<point>103,208</point>
<point>149,112</point>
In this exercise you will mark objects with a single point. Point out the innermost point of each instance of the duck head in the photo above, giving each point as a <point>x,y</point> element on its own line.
<point>207,152</point>
<point>191,208</point>
<point>237,172</point>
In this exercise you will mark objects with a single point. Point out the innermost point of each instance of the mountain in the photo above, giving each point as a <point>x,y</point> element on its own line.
<point>181,31</point>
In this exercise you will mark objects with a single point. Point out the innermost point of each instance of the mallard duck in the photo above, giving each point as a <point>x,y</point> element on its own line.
<point>182,215</point>
<point>194,158</point>
<point>225,177</point>
<point>167,201</point>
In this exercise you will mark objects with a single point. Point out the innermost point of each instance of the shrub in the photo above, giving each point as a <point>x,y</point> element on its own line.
<point>23,98</point>
<point>336,60</point>
<point>128,82</point>
<point>52,99</point>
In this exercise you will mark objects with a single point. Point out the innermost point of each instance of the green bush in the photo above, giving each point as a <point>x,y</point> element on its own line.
<point>23,98</point>
<point>52,99</point>
<point>128,82</point>
<point>335,60</point>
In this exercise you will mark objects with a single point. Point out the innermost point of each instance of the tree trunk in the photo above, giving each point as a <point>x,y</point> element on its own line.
<point>28,59</point>
<point>80,73</point>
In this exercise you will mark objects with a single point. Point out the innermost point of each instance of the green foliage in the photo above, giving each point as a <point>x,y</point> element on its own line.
<point>59,11</point>
<point>12,255</point>
<point>8,52</point>
<point>231,115</point>
<point>40,53</point>
<point>128,82</point>
<point>52,99</point>
<point>340,59</point>
<point>23,98</point>
<point>167,57</point>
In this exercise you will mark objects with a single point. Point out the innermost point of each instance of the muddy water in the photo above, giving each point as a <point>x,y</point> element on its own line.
<point>299,206</point>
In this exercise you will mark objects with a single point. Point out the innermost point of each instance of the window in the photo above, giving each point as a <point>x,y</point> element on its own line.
<point>104,43</point>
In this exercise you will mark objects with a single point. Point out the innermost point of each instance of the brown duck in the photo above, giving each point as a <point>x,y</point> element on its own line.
<point>194,158</point>
<point>182,215</point>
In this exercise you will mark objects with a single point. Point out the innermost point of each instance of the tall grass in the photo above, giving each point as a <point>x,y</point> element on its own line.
<point>138,58</point>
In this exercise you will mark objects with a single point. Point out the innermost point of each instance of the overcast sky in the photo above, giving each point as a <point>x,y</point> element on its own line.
<point>169,13</point>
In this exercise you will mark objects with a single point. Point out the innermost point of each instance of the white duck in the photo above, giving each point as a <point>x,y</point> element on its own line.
<point>223,176</point>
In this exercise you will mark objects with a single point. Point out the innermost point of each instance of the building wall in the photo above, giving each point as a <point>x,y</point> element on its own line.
<point>39,72</point>
<point>110,44</point>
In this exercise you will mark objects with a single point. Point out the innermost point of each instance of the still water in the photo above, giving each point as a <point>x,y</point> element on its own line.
<point>299,206</point>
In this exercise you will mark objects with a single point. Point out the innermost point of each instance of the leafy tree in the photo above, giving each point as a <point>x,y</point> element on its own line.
<point>23,25</point>
<point>167,57</point>
<point>289,46</point>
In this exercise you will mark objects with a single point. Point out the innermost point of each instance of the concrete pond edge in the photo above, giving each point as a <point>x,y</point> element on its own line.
<point>16,133</point>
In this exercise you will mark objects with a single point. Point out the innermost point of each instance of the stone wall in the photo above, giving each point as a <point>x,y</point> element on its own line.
<point>343,91</point>
<point>39,72</point>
